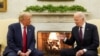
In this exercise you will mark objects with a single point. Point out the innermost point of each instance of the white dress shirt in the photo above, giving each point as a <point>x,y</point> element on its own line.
<point>83,30</point>
<point>22,29</point>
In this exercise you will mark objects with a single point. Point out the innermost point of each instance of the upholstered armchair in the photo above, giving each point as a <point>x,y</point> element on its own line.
<point>97,23</point>
<point>3,31</point>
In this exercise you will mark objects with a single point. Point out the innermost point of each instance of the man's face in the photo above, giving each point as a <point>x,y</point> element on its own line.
<point>27,20</point>
<point>78,20</point>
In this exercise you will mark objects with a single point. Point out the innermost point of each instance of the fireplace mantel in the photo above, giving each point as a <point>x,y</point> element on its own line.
<point>56,14</point>
<point>54,17</point>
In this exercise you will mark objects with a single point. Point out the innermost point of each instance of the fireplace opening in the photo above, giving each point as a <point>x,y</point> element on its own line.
<point>50,44</point>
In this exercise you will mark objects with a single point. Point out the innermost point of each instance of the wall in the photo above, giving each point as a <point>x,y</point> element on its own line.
<point>16,6</point>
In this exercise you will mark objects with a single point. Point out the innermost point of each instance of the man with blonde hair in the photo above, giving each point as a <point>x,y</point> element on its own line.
<point>21,38</point>
<point>86,37</point>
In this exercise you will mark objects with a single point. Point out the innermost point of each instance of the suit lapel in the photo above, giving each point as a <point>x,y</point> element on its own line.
<point>85,32</point>
<point>28,34</point>
<point>19,33</point>
<point>77,33</point>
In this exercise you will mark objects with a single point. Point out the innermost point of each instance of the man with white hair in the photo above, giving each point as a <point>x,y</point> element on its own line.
<point>86,37</point>
<point>21,38</point>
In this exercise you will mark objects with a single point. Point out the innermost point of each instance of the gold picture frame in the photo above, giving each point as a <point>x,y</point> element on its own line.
<point>3,5</point>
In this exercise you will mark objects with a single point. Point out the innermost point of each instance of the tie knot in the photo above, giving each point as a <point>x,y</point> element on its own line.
<point>80,27</point>
<point>24,27</point>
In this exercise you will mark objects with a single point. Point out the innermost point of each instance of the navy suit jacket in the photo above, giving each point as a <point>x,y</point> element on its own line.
<point>90,39</point>
<point>14,38</point>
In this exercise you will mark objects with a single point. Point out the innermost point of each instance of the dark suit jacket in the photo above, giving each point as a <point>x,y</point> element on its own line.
<point>14,38</point>
<point>90,40</point>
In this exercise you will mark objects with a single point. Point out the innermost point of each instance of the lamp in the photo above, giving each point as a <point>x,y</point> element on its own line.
<point>53,36</point>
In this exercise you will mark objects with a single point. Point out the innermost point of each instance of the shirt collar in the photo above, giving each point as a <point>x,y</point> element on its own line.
<point>22,26</point>
<point>83,26</point>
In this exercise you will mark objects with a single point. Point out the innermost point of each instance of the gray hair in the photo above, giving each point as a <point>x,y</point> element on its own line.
<point>81,15</point>
<point>22,14</point>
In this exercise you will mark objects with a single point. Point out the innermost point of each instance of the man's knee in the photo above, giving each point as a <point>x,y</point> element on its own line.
<point>37,53</point>
<point>11,54</point>
<point>40,53</point>
<point>90,53</point>
<point>63,53</point>
<point>67,52</point>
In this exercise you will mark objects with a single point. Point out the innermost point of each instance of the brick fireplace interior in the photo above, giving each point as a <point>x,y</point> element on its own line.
<point>50,44</point>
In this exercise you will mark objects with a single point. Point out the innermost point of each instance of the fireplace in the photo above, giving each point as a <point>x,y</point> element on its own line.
<point>45,24</point>
<point>49,42</point>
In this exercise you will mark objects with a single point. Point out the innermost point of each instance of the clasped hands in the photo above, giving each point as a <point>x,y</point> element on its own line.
<point>24,54</point>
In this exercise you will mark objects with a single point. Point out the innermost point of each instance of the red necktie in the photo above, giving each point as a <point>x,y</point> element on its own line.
<point>80,34</point>
<point>24,40</point>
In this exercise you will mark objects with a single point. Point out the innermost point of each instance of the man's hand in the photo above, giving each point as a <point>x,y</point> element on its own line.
<point>27,53</point>
<point>22,54</point>
<point>61,36</point>
<point>79,53</point>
